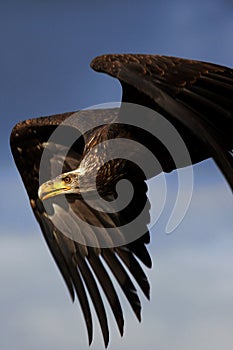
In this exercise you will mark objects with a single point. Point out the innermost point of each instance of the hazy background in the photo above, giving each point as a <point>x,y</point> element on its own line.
<point>46,48</point>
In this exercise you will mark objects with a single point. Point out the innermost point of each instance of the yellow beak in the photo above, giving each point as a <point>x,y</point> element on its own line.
<point>52,188</point>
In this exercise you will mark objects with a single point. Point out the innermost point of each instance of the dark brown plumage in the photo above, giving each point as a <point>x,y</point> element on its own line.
<point>196,98</point>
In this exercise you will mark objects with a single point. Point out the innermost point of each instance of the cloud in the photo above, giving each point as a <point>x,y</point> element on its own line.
<point>190,307</point>
<point>192,282</point>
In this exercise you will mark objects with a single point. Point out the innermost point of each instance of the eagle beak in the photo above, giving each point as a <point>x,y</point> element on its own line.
<point>52,188</point>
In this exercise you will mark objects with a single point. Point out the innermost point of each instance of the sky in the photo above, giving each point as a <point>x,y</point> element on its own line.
<point>46,48</point>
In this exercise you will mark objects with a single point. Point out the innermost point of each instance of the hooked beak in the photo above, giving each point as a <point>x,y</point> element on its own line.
<point>52,188</point>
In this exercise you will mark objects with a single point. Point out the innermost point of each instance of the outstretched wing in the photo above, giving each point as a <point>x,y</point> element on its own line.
<point>83,267</point>
<point>196,97</point>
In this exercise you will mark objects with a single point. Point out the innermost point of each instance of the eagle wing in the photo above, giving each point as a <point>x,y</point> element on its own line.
<point>196,97</point>
<point>84,267</point>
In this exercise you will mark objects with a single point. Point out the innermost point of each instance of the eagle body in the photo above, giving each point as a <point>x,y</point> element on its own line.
<point>194,97</point>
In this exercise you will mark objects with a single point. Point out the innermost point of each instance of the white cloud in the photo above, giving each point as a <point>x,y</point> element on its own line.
<point>192,286</point>
<point>191,304</point>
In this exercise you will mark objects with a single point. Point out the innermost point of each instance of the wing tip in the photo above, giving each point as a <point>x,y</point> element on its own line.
<point>97,62</point>
<point>106,342</point>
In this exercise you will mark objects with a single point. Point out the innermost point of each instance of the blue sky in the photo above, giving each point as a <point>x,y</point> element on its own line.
<point>46,48</point>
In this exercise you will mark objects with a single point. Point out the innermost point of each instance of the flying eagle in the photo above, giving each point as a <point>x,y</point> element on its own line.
<point>195,97</point>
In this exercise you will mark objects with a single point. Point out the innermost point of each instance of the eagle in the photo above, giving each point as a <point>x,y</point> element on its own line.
<point>194,97</point>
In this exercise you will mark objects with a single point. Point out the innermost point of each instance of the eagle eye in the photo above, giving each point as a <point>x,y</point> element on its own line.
<point>67,179</point>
